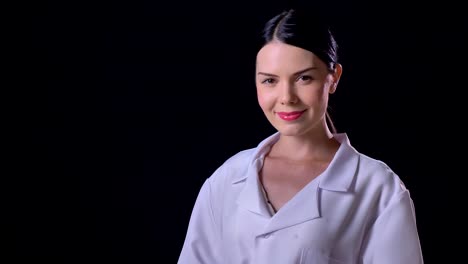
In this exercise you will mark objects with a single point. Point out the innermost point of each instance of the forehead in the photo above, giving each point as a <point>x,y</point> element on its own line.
<point>277,56</point>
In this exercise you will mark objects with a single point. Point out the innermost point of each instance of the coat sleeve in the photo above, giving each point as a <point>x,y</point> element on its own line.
<point>202,241</point>
<point>394,237</point>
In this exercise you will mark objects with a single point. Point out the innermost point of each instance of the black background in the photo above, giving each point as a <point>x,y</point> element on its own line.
<point>135,103</point>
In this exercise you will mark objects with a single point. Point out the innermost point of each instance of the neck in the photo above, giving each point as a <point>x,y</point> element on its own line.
<point>316,145</point>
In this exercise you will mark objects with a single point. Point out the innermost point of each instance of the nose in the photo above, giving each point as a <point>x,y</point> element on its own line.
<point>288,95</point>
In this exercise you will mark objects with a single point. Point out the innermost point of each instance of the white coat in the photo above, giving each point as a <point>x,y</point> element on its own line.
<point>356,211</point>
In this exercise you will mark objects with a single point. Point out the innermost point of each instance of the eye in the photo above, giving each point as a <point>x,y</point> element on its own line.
<point>305,78</point>
<point>269,81</point>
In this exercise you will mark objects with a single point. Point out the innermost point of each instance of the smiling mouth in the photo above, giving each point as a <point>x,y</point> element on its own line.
<point>290,116</point>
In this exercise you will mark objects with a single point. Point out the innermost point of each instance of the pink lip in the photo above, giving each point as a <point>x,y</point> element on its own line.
<point>290,116</point>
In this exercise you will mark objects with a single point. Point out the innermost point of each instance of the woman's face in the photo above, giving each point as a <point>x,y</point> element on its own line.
<point>293,87</point>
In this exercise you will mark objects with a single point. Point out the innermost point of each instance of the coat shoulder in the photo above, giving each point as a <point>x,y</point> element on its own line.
<point>235,167</point>
<point>380,173</point>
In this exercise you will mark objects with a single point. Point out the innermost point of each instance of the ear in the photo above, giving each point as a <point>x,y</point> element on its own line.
<point>336,77</point>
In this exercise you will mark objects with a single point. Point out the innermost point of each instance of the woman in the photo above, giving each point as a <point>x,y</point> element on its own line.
<point>304,194</point>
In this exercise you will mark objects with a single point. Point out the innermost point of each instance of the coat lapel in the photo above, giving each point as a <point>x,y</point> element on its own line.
<point>251,197</point>
<point>306,204</point>
<point>302,207</point>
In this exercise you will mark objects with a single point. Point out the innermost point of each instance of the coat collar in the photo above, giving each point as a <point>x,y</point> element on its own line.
<point>341,171</point>
<point>338,177</point>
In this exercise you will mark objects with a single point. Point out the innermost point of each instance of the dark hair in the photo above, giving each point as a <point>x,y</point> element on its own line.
<point>304,30</point>
<point>308,31</point>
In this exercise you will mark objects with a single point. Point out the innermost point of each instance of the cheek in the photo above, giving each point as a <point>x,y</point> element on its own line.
<point>263,99</point>
<point>320,96</point>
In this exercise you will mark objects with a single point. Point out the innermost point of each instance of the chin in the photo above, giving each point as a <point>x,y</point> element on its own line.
<point>290,131</point>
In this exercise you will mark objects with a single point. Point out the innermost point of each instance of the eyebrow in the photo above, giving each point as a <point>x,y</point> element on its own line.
<point>296,73</point>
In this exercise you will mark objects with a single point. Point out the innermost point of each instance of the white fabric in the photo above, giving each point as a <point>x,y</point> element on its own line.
<point>356,211</point>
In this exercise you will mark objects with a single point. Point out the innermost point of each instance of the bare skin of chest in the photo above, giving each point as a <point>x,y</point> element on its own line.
<point>283,179</point>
